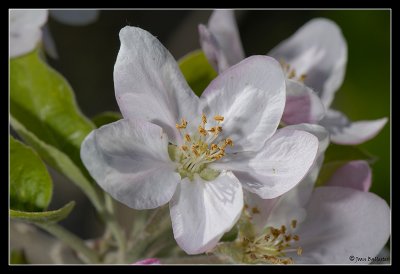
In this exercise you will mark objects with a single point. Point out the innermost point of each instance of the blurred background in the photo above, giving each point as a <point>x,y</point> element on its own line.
<point>86,57</point>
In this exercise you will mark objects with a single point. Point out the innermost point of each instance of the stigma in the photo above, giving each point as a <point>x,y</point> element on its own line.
<point>201,145</point>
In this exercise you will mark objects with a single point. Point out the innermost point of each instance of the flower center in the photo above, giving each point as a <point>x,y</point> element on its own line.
<point>200,148</point>
<point>271,246</point>
<point>290,72</point>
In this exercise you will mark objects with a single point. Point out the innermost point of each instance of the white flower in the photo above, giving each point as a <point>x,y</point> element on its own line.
<point>314,58</point>
<point>25,30</point>
<point>196,153</point>
<point>337,223</point>
<point>325,225</point>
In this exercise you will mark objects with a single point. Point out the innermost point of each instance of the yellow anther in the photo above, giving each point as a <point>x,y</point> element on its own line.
<point>302,77</point>
<point>272,246</point>
<point>255,210</point>
<point>182,125</point>
<point>294,223</point>
<point>204,119</point>
<point>194,150</point>
<point>213,147</point>
<point>184,148</point>
<point>299,251</point>
<point>228,141</point>
<point>296,237</point>
<point>187,138</point>
<point>218,118</point>
<point>202,131</point>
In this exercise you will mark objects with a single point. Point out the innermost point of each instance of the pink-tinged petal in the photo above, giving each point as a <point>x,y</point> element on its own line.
<point>129,160</point>
<point>291,205</point>
<point>278,167</point>
<point>213,51</point>
<point>302,104</point>
<point>223,25</point>
<point>354,174</point>
<point>75,17</point>
<point>224,31</point>
<point>345,132</point>
<point>343,222</point>
<point>148,261</point>
<point>318,50</point>
<point>149,84</point>
<point>202,211</point>
<point>25,30</point>
<point>251,97</point>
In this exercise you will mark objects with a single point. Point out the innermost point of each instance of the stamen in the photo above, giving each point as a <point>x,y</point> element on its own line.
<point>182,125</point>
<point>202,131</point>
<point>272,246</point>
<point>204,119</point>
<point>299,251</point>
<point>199,147</point>
<point>218,118</point>
<point>294,223</point>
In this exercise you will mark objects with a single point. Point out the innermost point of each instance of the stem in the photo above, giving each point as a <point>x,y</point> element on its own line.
<point>72,241</point>
<point>114,227</point>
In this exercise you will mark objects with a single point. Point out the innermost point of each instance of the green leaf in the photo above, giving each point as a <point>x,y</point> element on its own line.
<point>43,101</point>
<point>197,70</point>
<point>106,118</point>
<point>44,217</point>
<point>17,256</point>
<point>30,184</point>
<point>58,160</point>
<point>327,171</point>
<point>336,153</point>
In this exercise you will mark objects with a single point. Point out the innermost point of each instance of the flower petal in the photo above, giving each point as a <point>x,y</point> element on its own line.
<point>354,174</point>
<point>75,17</point>
<point>129,159</point>
<point>202,211</point>
<point>148,261</point>
<point>302,104</point>
<point>318,50</point>
<point>223,28</point>
<point>149,84</point>
<point>259,209</point>
<point>25,30</point>
<point>251,97</point>
<point>346,132</point>
<point>291,205</point>
<point>280,165</point>
<point>343,222</point>
<point>213,51</point>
